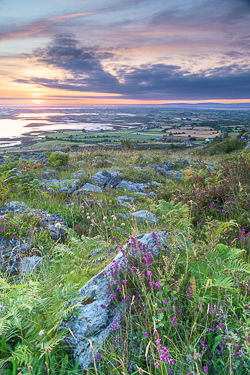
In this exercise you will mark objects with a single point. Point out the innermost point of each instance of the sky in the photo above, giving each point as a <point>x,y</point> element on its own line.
<point>124,52</point>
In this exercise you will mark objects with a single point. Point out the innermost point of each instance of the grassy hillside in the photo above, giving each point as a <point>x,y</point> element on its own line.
<point>186,309</point>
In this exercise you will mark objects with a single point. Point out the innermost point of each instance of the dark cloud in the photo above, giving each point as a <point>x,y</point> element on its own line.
<point>205,14</point>
<point>148,81</point>
<point>166,82</point>
<point>160,82</point>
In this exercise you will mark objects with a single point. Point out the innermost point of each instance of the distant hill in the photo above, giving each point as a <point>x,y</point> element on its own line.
<point>209,105</point>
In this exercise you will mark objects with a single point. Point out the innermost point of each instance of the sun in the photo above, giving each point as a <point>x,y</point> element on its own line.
<point>37,101</point>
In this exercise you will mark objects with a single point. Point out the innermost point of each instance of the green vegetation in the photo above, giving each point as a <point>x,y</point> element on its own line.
<point>186,307</point>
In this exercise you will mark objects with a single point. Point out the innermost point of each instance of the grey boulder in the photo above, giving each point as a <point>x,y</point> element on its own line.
<point>101,178</point>
<point>91,188</point>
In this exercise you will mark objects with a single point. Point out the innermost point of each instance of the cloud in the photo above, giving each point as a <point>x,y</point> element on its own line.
<point>148,81</point>
<point>188,33</point>
<point>43,26</point>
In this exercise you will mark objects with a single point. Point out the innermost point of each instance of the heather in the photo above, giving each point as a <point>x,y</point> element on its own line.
<point>181,306</point>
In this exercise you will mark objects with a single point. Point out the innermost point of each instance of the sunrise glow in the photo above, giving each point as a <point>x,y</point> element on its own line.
<point>124,52</point>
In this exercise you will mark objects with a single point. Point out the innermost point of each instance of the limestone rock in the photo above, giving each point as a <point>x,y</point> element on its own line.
<point>97,312</point>
<point>114,181</point>
<point>91,188</point>
<point>144,215</point>
<point>29,264</point>
<point>101,178</point>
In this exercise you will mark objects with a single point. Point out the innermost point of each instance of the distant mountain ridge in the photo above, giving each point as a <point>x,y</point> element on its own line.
<point>209,105</point>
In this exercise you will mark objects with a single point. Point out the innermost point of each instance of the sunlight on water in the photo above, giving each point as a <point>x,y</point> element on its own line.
<point>15,128</point>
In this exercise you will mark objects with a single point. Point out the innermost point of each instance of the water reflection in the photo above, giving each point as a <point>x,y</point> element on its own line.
<point>10,128</point>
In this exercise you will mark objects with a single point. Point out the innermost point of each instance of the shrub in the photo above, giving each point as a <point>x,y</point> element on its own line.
<point>58,160</point>
<point>226,146</point>
<point>127,144</point>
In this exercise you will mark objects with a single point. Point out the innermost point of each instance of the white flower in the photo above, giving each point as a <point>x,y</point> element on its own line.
<point>93,213</point>
<point>122,224</point>
<point>104,218</point>
<point>110,201</point>
<point>58,225</point>
<point>163,216</point>
<point>88,217</point>
<point>41,333</point>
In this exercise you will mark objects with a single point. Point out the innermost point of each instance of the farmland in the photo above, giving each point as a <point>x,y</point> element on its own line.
<point>110,126</point>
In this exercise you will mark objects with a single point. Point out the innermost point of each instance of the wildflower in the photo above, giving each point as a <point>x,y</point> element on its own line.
<point>41,333</point>
<point>122,224</point>
<point>125,281</point>
<point>157,364</point>
<point>205,369</point>
<point>102,306</point>
<point>163,216</point>
<point>58,225</point>
<point>68,250</point>
<point>145,334</point>
<point>88,217</point>
<point>241,353</point>
<point>104,218</point>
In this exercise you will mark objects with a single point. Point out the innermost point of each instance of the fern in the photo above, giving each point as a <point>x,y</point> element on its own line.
<point>30,308</point>
<point>177,215</point>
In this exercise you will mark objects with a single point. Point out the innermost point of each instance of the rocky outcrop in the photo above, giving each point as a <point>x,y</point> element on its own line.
<point>90,188</point>
<point>64,185</point>
<point>97,312</point>
<point>244,135</point>
<point>132,186</point>
<point>14,249</point>
<point>105,179</point>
